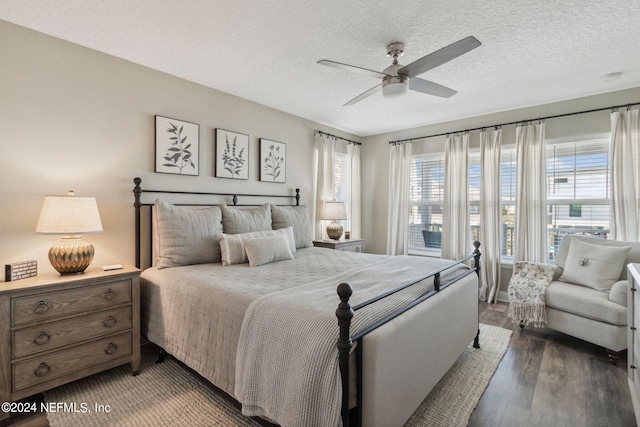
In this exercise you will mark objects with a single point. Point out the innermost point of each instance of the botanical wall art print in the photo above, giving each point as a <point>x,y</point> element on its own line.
<point>273,161</point>
<point>232,155</point>
<point>177,146</point>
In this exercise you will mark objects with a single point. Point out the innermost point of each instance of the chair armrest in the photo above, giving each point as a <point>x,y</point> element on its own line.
<point>618,293</point>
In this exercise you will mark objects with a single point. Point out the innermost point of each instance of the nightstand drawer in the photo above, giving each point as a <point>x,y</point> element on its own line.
<point>355,247</point>
<point>56,334</point>
<point>48,367</point>
<point>63,303</point>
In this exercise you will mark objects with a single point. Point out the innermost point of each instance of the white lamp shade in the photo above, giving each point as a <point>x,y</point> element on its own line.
<point>334,211</point>
<point>69,215</point>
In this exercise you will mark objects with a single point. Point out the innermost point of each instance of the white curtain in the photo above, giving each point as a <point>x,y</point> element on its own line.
<point>625,172</point>
<point>325,179</point>
<point>531,242</point>
<point>354,199</point>
<point>456,231</point>
<point>398,218</point>
<point>490,214</point>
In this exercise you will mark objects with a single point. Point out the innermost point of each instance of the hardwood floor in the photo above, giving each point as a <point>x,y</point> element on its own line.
<point>547,378</point>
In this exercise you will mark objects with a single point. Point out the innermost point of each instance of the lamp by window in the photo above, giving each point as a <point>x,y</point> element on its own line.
<point>71,216</point>
<point>334,211</point>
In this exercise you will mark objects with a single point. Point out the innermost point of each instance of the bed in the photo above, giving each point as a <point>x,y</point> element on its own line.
<point>266,333</point>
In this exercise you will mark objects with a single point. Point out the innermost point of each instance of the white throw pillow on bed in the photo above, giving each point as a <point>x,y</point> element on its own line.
<point>186,234</point>
<point>232,246</point>
<point>235,221</point>
<point>264,250</point>
<point>296,217</point>
<point>594,266</point>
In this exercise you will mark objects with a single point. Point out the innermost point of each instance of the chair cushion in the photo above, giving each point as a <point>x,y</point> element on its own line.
<point>594,266</point>
<point>585,302</point>
<point>618,293</point>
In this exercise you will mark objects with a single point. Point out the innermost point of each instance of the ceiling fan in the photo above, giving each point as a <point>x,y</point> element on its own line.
<point>398,78</point>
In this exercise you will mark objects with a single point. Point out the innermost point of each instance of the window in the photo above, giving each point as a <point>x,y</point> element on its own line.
<point>577,194</point>
<point>508,190</point>
<point>341,173</point>
<point>425,215</point>
<point>427,188</point>
<point>577,189</point>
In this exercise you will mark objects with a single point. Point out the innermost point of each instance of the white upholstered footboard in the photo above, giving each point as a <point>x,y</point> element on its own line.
<point>404,359</point>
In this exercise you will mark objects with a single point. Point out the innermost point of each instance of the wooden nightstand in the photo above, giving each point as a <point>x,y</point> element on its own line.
<point>352,245</point>
<point>56,329</point>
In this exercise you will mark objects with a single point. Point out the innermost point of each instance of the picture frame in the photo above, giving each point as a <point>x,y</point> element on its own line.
<point>177,146</point>
<point>273,161</point>
<point>232,155</point>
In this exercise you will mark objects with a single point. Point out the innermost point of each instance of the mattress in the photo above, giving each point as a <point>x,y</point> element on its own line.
<point>196,312</point>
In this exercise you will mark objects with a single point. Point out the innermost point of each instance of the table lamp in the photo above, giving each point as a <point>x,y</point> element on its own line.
<point>70,216</point>
<point>334,211</point>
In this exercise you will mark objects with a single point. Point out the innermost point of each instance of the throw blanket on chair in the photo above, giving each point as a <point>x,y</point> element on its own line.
<point>527,292</point>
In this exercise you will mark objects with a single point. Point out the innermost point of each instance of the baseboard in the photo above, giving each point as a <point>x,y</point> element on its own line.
<point>503,296</point>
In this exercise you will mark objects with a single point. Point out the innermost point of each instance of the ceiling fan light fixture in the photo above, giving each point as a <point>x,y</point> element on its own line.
<point>395,87</point>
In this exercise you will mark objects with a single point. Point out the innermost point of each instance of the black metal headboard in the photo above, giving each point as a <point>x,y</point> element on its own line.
<point>138,205</point>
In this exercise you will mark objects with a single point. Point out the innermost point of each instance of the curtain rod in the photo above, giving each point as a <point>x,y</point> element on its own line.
<point>615,107</point>
<point>336,136</point>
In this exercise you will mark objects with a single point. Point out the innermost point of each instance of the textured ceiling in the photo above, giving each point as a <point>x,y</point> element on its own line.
<point>533,52</point>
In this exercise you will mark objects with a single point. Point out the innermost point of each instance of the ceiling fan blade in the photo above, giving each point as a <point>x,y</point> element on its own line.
<point>352,68</point>
<point>430,88</point>
<point>364,95</point>
<point>439,57</point>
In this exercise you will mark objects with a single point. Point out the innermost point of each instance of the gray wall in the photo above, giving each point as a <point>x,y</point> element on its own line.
<point>74,118</point>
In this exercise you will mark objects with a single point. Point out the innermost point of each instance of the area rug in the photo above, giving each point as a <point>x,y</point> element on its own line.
<point>168,394</point>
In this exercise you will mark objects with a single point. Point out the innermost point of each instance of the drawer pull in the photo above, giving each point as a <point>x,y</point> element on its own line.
<point>358,249</point>
<point>42,370</point>
<point>42,307</point>
<point>111,348</point>
<point>110,295</point>
<point>109,322</point>
<point>632,366</point>
<point>42,338</point>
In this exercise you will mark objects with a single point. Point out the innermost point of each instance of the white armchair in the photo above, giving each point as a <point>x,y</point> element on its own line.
<point>588,297</point>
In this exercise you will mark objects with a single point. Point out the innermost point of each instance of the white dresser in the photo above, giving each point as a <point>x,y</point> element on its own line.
<point>633,352</point>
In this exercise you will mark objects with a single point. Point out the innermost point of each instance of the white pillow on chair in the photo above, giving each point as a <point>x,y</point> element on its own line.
<point>594,266</point>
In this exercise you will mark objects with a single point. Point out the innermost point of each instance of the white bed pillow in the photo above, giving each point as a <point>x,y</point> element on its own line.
<point>296,217</point>
<point>264,250</point>
<point>232,246</point>
<point>186,234</point>
<point>236,221</point>
<point>594,266</point>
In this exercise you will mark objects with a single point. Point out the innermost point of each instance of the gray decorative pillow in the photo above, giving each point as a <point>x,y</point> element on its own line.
<point>296,217</point>
<point>187,234</point>
<point>233,249</point>
<point>235,221</point>
<point>594,266</point>
<point>264,250</point>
